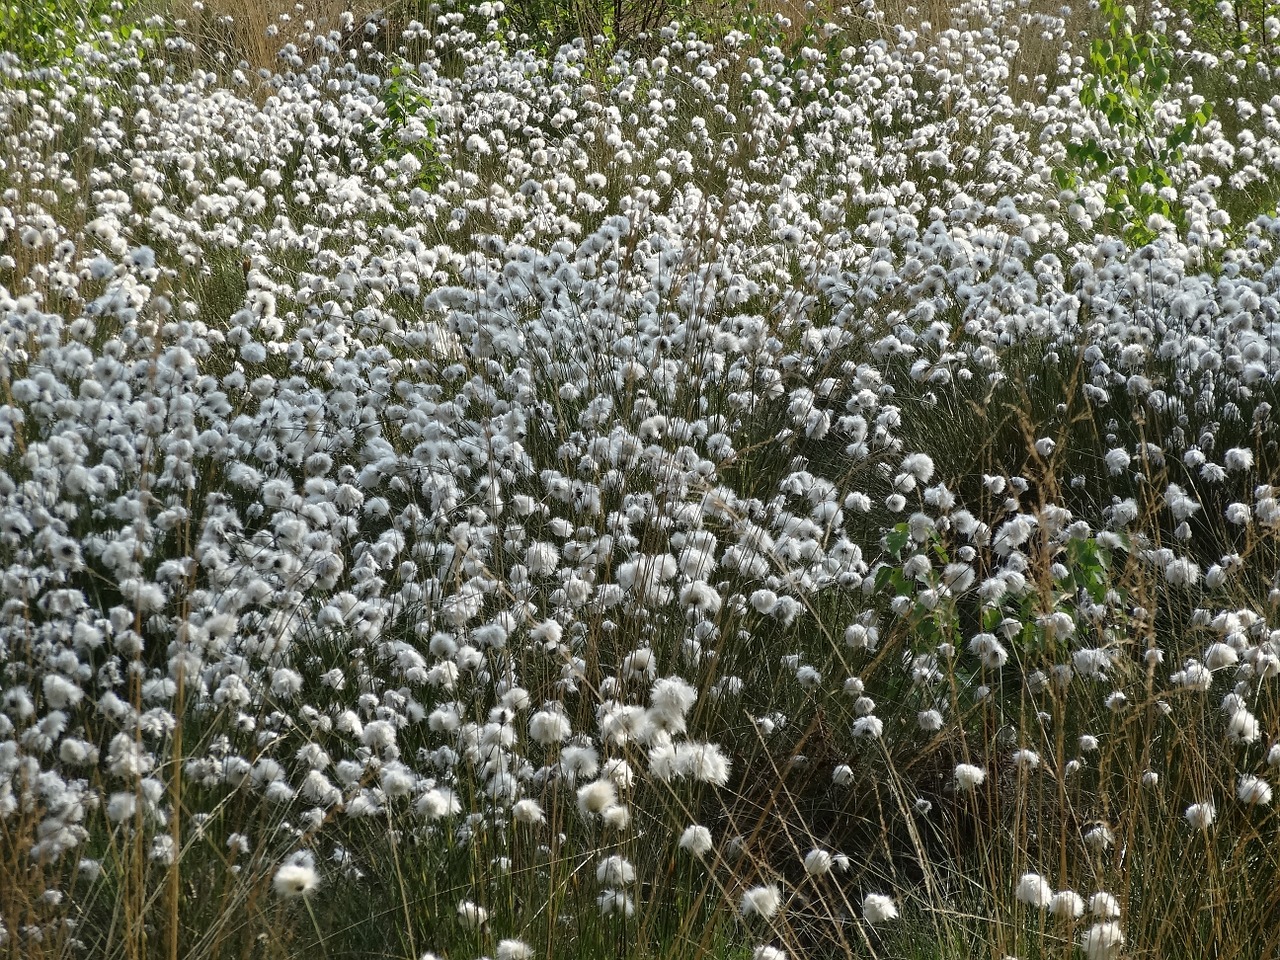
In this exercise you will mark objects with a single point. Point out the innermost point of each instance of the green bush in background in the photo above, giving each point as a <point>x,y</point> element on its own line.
<point>42,32</point>
<point>1130,72</point>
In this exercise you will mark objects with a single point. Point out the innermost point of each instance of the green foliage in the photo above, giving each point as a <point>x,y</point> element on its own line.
<point>1130,74</point>
<point>406,126</point>
<point>764,27</point>
<point>549,23</point>
<point>1241,29</point>
<point>1088,576</point>
<point>42,33</point>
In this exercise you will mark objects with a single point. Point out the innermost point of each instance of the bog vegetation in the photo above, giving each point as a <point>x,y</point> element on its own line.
<point>747,483</point>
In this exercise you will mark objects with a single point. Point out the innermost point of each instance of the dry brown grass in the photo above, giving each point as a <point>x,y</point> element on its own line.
<point>243,29</point>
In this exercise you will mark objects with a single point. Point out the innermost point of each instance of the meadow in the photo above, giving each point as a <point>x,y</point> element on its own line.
<point>750,483</point>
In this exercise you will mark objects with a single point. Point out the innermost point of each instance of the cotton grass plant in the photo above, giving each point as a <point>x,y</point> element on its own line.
<point>737,505</point>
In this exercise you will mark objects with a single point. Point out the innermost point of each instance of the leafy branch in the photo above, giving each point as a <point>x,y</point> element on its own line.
<point>1130,74</point>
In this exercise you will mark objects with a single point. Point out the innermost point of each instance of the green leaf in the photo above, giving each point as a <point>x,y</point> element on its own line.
<point>896,539</point>
<point>883,577</point>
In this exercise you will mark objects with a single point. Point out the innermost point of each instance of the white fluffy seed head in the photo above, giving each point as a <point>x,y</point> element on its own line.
<point>1102,941</point>
<point>528,812</point>
<point>696,840</point>
<point>472,915</point>
<point>878,908</point>
<point>1200,815</point>
<point>817,862</point>
<point>762,901</point>
<point>615,871</point>
<point>1103,904</point>
<point>596,797</point>
<point>1034,890</point>
<point>294,880</point>
<point>514,950</point>
<point>969,777</point>
<point>1253,790</point>
<point>1066,904</point>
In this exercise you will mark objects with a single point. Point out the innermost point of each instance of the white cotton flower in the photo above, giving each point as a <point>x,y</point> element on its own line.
<point>580,762</point>
<point>1099,837</point>
<point>1102,941</point>
<point>1212,473</point>
<point>616,817</point>
<point>1034,890</point>
<point>701,599</point>
<point>878,908</point>
<point>1066,904</point>
<point>1237,459</point>
<point>396,779</point>
<point>620,772</point>
<point>670,700</point>
<point>528,812</point>
<point>696,840</point>
<point>764,601</point>
<point>968,777</point>
<point>514,950</point>
<point>808,677</point>
<point>549,726</point>
<point>294,880</point>
<point>615,903</point>
<point>472,915</point>
<point>597,796</point>
<point>1182,572</point>
<point>868,728</point>
<point>1193,676</point>
<point>1103,904</point>
<point>1200,815</point>
<point>989,650</point>
<point>438,803</point>
<point>919,465</point>
<point>378,734</point>
<point>861,637</point>
<point>1253,790</point>
<point>1117,461</point>
<point>122,806</point>
<point>59,692</point>
<point>1243,727</point>
<point>615,871</point>
<point>548,633</point>
<point>929,720</point>
<point>639,664</point>
<point>1025,760</point>
<point>818,862</point>
<point>705,762</point>
<point>762,901</point>
<point>621,723</point>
